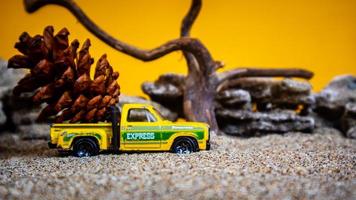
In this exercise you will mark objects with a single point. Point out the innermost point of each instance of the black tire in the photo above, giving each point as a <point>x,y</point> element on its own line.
<point>85,147</point>
<point>184,145</point>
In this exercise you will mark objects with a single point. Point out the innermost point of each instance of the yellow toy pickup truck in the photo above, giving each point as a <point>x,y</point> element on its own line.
<point>139,127</point>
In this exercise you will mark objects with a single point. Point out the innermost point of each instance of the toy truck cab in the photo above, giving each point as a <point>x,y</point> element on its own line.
<point>140,128</point>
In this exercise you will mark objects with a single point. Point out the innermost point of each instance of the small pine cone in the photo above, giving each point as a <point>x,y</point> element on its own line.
<point>60,77</point>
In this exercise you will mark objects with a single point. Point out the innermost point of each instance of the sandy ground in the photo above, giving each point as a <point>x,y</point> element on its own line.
<point>291,166</point>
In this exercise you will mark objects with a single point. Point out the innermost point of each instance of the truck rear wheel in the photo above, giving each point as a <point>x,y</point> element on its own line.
<point>184,145</point>
<point>85,147</point>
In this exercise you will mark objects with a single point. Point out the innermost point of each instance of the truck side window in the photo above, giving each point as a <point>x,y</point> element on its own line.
<point>140,115</point>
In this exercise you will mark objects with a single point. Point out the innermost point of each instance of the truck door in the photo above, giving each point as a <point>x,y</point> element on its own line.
<point>141,131</point>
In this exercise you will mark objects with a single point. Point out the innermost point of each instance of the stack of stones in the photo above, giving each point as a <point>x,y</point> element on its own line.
<point>255,106</point>
<point>336,103</point>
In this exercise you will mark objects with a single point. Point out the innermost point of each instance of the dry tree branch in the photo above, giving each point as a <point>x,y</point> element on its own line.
<point>226,76</point>
<point>190,18</point>
<point>186,26</point>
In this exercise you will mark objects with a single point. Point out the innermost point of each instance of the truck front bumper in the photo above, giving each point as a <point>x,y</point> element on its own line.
<point>52,146</point>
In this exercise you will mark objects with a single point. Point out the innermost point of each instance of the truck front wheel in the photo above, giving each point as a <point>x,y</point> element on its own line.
<point>84,147</point>
<point>184,145</point>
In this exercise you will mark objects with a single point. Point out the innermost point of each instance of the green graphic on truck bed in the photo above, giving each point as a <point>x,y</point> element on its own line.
<point>68,136</point>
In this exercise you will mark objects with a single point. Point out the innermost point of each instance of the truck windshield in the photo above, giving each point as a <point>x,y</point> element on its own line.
<point>140,115</point>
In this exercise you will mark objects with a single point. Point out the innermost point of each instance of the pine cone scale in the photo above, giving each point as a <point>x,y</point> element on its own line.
<point>20,61</point>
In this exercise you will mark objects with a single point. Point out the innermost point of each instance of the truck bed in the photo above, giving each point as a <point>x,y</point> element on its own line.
<point>100,124</point>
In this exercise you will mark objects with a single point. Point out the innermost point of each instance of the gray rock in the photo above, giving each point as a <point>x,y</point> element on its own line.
<point>174,79</point>
<point>331,101</point>
<point>16,111</point>
<point>247,123</point>
<point>350,109</point>
<point>165,112</point>
<point>321,122</point>
<point>166,86</point>
<point>19,111</point>
<point>168,91</point>
<point>292,92</point>
<point>269,93</point>
<point>26,116</point>
<point>161,90</point>
<point>259,88</point>
<point>2,114</point>
<point>294,87</point>
<point>292,101</point>
<point>234,98</point>
<point>8,79</point>
<point>35,131</point>
<point>348,121</point>
<point>351,133</point>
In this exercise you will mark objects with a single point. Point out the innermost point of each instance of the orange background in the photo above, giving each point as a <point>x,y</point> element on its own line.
<point>319,35</point>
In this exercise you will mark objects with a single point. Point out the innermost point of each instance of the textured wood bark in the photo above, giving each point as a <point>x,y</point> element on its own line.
<point>199,92</point>
<point>201,82</point>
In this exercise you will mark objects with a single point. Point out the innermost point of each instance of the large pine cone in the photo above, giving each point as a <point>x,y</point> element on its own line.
<point>61,78</point>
